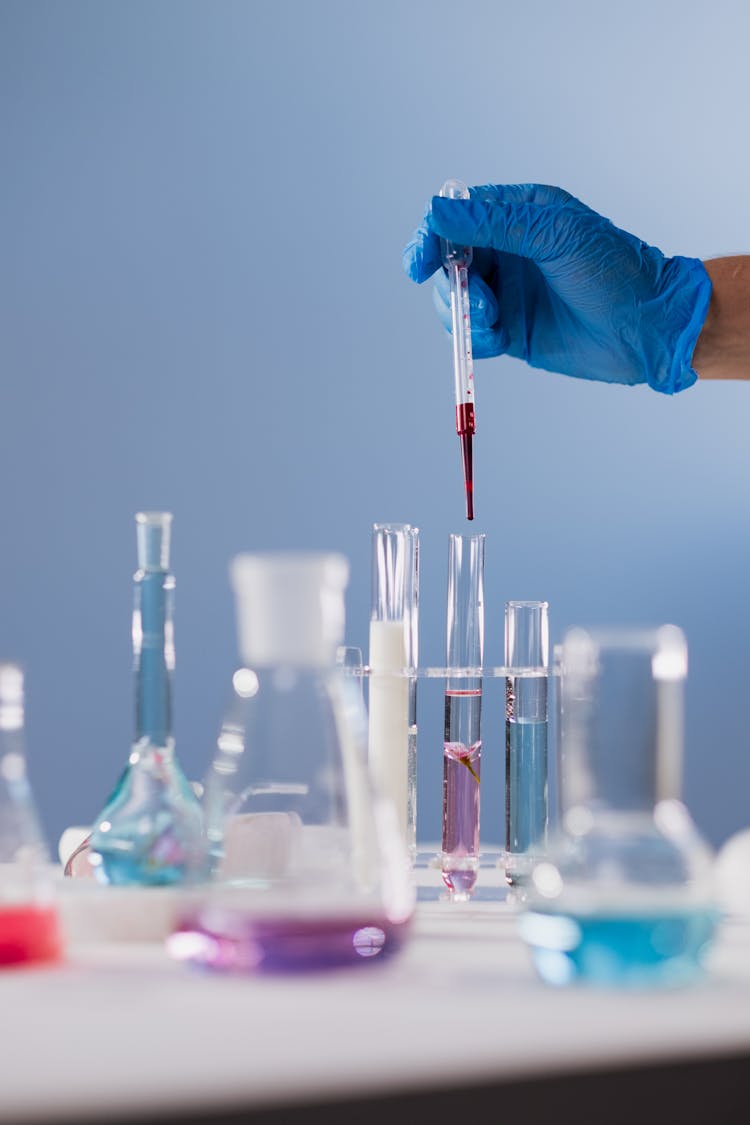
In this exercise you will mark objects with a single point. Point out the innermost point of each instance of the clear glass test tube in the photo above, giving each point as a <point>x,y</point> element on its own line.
<point>462,741</point>
<point>412,662</point>
<point>526,755</point>
<point>389,682</point>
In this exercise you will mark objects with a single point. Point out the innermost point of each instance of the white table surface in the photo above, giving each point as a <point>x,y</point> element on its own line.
<point>120,1026</point>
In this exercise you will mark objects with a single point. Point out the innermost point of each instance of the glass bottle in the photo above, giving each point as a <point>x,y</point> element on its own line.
<point>310,870</point>
<point>462,743</point>
<point>29,922</point>
<point>150,832</point>
<point>624,895</point>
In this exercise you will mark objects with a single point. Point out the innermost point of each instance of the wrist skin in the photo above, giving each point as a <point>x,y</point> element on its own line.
<point>723,347</point>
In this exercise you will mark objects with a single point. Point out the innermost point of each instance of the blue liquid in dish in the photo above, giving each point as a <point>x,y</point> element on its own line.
<point>636,950</point>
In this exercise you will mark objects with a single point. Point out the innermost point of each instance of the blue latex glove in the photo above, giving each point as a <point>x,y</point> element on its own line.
<point>556,284</point>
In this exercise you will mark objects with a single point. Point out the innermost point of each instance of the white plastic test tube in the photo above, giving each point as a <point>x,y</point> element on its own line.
<point>391,650</point>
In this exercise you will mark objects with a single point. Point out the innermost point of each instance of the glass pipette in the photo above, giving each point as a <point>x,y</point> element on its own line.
<point>457,260</point>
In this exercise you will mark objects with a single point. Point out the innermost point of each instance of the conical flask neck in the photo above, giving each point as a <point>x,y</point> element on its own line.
<point>153,656</point>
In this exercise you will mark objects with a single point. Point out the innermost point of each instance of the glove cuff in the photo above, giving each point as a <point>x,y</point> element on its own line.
<point>687,306</point>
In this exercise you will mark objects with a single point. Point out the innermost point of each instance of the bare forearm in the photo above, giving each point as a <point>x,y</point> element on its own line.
<point>723,348</point>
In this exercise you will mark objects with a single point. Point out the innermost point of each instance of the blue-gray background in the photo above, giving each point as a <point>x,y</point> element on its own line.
<point>202,210</point>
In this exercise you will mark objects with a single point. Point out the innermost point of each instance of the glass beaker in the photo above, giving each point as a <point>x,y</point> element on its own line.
<point>29,922</point>
<point>150,831</point>
<point>462,739</point>
<point>310,870</point>
<point>624,894</point>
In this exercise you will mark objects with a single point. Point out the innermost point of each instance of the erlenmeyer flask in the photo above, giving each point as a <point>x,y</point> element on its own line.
<point>310,866</point>
<point>150,832</point>
<point>29,923</point>
<point>624,894</point>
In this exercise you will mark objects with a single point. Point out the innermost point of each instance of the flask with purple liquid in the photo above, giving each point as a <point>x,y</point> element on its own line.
<point>310,869</point>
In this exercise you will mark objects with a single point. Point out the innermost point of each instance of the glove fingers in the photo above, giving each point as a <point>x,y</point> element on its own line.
<point>483,307</point>
<point>422,254</point>
<point>527,229</point>
<point>488,338</point>
<point>545,195</point>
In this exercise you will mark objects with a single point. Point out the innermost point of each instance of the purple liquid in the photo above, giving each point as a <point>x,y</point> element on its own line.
<point>461,766</point>
<point>285,945</point>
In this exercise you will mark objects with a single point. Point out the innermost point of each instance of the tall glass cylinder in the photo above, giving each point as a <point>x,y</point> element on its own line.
<point>393,651</point>
<point>412,663</point>
<point>624,894</point>
<point>526,730</point>
<point>462,742</point>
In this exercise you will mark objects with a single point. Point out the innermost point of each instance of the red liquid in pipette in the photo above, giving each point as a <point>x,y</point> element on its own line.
<point>29,933</point>
<point>465,428</point>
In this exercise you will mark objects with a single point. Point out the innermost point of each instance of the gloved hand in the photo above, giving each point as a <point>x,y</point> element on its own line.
<point>556,284</point>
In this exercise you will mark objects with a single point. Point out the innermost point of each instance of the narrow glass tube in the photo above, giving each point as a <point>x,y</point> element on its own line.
<point>462,741</point>
<point>526,763</point>
<point>412,663</point>
<point>153,630</point>
<point>389,710</point>
<point>457,260</point>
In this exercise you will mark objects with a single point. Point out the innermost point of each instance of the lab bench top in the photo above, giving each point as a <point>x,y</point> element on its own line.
<point>456,1025</point>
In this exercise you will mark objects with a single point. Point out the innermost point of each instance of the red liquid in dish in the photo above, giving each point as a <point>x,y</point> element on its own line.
<point>29,933</point>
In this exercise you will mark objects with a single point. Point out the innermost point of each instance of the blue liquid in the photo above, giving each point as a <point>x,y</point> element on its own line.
<point>154,656</point>
<point>150,832</point>
<point>666,948</point>
<point>155,834</point>
<point>526,804</point>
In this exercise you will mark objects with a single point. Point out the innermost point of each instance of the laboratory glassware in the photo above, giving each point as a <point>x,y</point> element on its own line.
<point>624,895</point>
<point>412,663</point>
<point>457,260</point>
<point>392,670</point>
<point>309,867</point>
<point>349,659</point>
<point>29,922</point>
<point>526,731</point>
<point>462,740</point>
<point>150,831</point>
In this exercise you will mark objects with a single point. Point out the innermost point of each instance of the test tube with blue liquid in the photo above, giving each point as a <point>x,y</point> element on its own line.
<point>462,741</point>
<point>526,736</point>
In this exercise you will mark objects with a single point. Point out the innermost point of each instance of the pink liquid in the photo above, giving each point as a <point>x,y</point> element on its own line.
<point>461,766</point>
<point>285,945</point>
<point>29,933</point>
